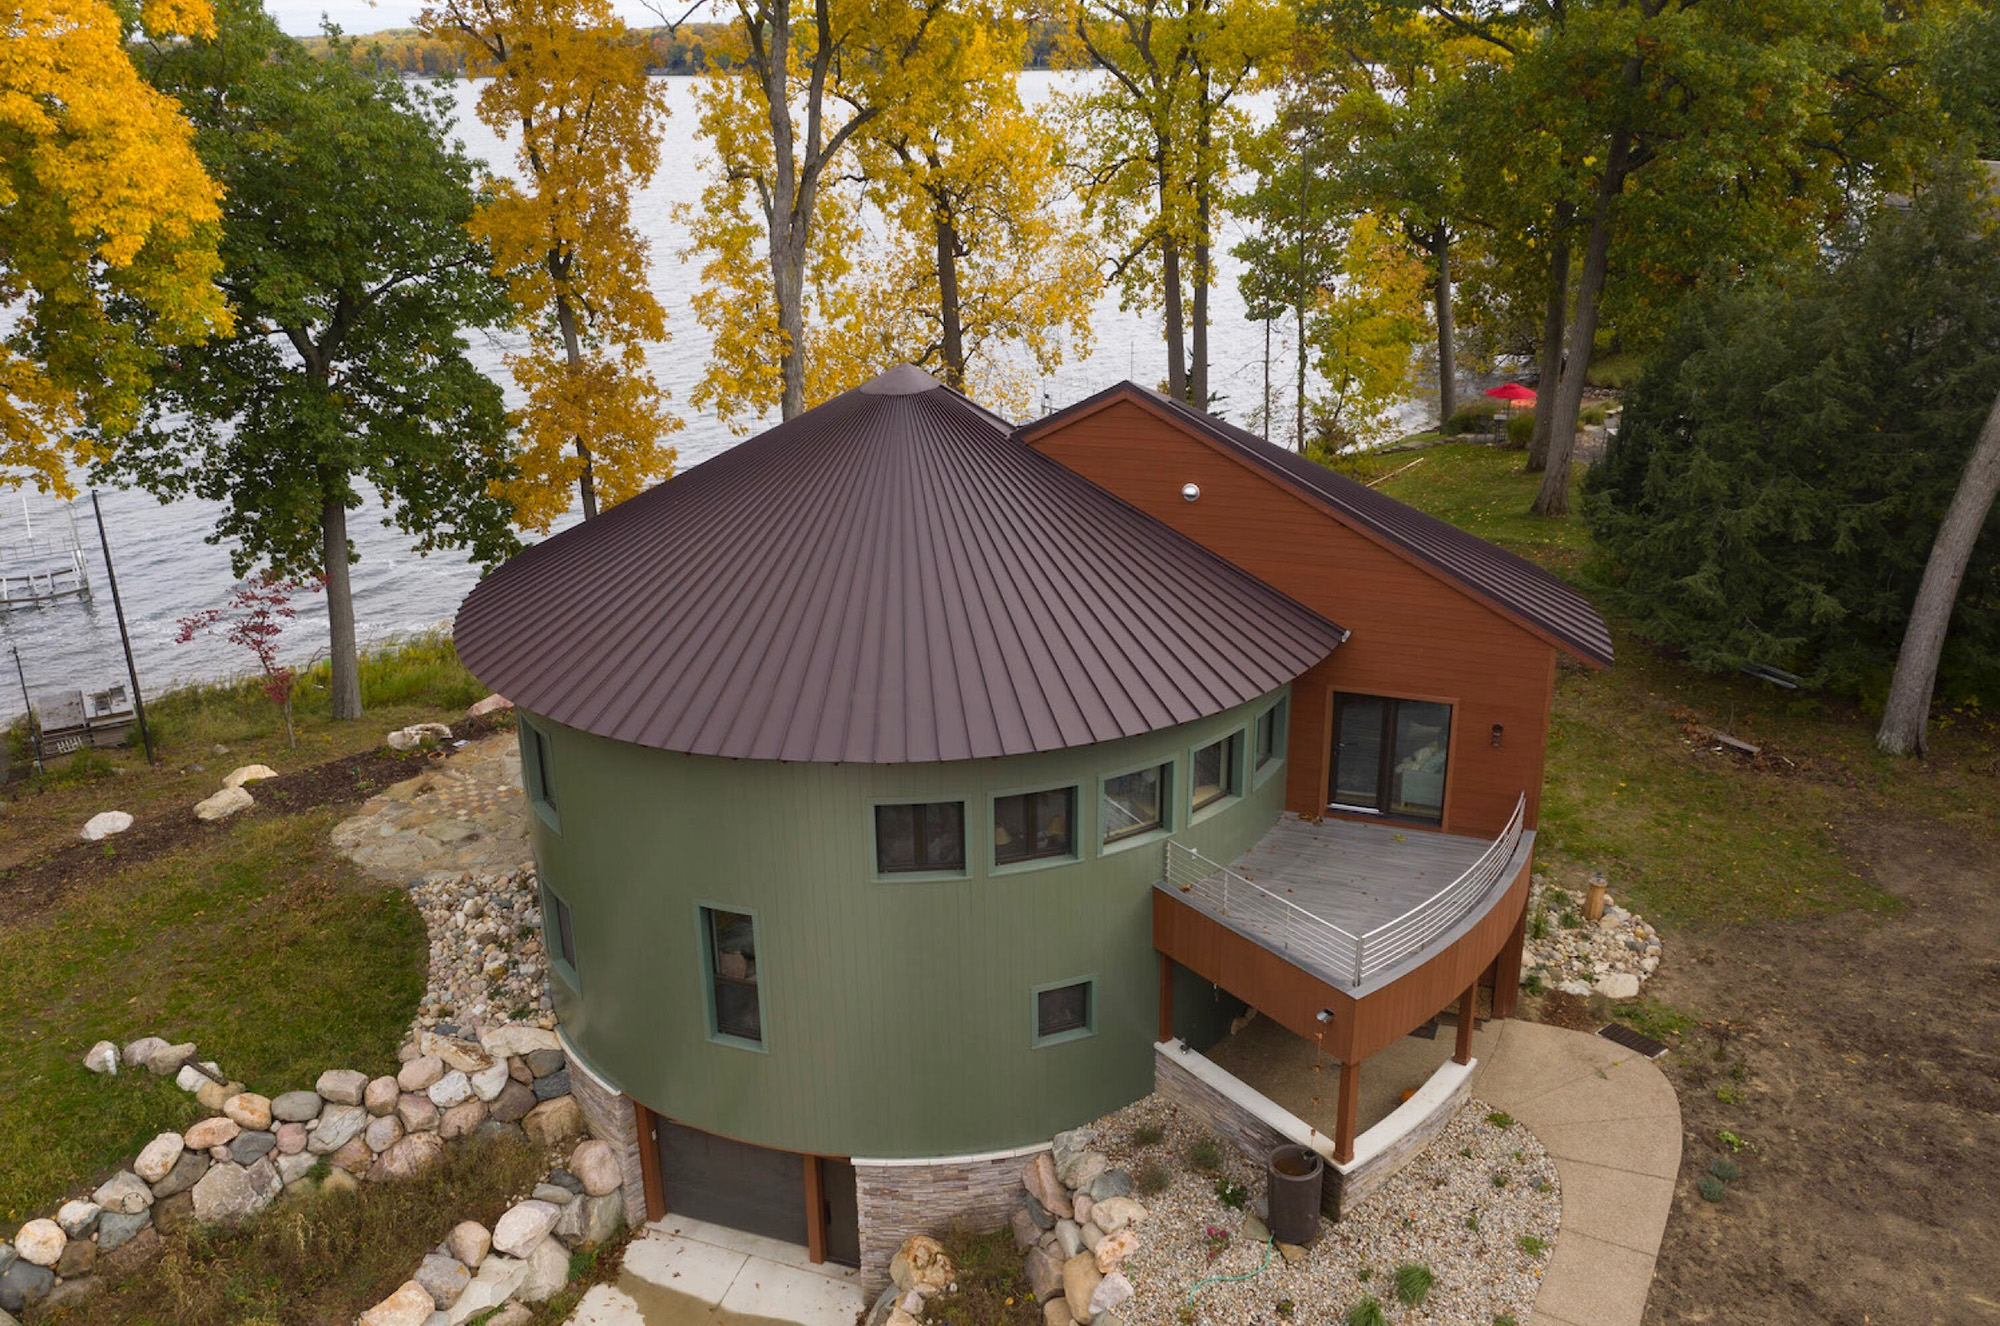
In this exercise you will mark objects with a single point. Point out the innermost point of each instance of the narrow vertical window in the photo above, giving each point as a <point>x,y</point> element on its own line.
<point>734,1009</point>
<point>559,934</point>
<point>538,775</point>
<point>1214,774</point>
<point>1270,734</point>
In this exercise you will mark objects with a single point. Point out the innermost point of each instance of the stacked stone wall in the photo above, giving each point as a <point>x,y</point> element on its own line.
<point>901,1198</point>
<point>612,1118</point>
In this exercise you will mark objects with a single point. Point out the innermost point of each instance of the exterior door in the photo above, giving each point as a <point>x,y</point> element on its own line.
<point>733,1184</point>
<point>841,1211</point>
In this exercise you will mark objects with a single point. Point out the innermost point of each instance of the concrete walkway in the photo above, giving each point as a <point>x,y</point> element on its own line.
<point>681,1272</point>
<point>1611,1120</point>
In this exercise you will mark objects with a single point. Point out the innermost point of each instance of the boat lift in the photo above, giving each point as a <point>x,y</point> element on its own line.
<point>41,553</point>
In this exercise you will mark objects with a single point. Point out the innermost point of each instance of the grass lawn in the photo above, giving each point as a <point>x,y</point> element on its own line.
<point>269,953</point>
<point>1684,834</point>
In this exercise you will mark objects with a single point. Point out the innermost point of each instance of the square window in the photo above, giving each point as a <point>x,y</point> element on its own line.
<point>1215,770</point>
<point>732,974</point>
<point>924,836</point>
<point>1136,803</point>
<point>1034,826</point>
<point>1063,1011</point>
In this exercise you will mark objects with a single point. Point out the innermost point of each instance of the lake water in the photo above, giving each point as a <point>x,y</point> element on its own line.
<point>167,571</point>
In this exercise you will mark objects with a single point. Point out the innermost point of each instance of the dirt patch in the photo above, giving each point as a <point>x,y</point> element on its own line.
<point>32,886</point>
<point>1857,1058</point>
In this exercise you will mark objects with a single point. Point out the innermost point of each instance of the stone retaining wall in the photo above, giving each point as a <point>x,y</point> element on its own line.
<point>612,1118</point>
<point>1228,1119</point>
<point>1402,1137</point>
<point>898,1198</point>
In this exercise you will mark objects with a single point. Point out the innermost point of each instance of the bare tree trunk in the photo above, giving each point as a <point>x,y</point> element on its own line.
<point>953,349</point>
<point>1553,321</point>
<point>344,693</point>
<point>1553,499</point>
<point>1170,266</point>
<point>1198,364</point>
<point>1447,354</point>
<point>1906,717</point>
<point>586,482</point>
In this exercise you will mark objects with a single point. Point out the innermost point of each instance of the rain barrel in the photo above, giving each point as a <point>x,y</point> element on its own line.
<point>1295,1175</point>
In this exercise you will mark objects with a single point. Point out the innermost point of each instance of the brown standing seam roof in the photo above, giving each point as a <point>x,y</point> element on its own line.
<point>1509,582</point>
<point>889,577</point>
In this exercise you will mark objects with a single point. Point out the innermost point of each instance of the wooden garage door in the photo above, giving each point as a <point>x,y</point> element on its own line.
<point>734,1184</point>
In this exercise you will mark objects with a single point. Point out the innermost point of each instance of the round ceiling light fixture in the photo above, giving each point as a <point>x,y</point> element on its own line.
<point>1190,492</point>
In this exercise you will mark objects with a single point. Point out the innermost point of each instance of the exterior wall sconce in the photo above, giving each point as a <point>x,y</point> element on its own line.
<point>1326,1015</point>
<point>1497,730</point>
<point>1190,492</point>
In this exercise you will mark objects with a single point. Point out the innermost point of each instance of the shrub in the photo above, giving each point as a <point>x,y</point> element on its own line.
<point>1593,414</point>
<point>1285,1307</point>
<point>1722,1167</point>
<point>1521,431</point>
<point>1146,1134</point>
<point>1731,1140</point>
<point>1532,1245</point>
<point>1152,1179</point>
<point>1712,1188</point>
<point>1368,1312</point>
<point>1729,1094</point>
<point>1205,1155</point>
<point>1499,1178</point>
<point>1538,926</point>
<point>1414,1283</point>
<point>1504,1319</point>
<point>1475,416</point>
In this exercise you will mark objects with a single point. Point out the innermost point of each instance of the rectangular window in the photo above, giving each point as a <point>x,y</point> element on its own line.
<point>1389,755</point>
<point>732,974</point>
<point>1136,803</point>
<point>558,934</point>
<point>924,836</point>
<point>1214,774</point>
<point>538,772</point>
<point>1063,1011</point>
<point>1270,734</point>
<point>1034,826</point>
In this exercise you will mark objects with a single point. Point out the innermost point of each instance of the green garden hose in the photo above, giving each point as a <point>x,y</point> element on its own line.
<point>1269,1243</point>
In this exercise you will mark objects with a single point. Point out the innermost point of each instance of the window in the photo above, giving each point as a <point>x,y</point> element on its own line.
<point>1214,774</point>
<point>1270,734</point>
<point>1034,826</point>
<point>925,836</point>
<point>732,975</point>
<point>558,934</point>
<point>1136,803</point>
<point>538,772</point>
<point>1389,755</point>
<point>1063,1012</point>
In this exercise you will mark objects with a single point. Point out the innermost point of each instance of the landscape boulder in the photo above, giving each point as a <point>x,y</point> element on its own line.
<point>469,1241</point>
<point>595,1163</point>
<point>417,1113</point>
<point>443,1278</point>
<point>408,1158</point>
<point>514,1039</point>
<point>116,1228</point>
<point>1080,1280</point>
<point>338,1125</point>
<point>251,1111</point>
<point>40,1242</point>
<point>248,773</point>
<point>102,1058</point>
<point>78,1218</point>
<point>223,804</point>
<point>410,1305</point>
<point>124,1193</point>
<point>548,1271</point>
<point>105,823</point>
<point>187,1172</point>
<point>454,1088</point>
<point>342,1086</point>
<point>296,1107</point>
<point>554,1123</point>
<point>227,1192</point>
<point>1038,1176</point>
<point>156,1159</point>
<point>523,1226</point>
<point>166,1060</point>
<point>380,1097</point>
<point>921,1265</point>
<point>418,734</point>
<point>420,1073</point>
<point>491,704</point>
<point>488,1083</point>
<point>141,1050</point>
<point>219,1131</point>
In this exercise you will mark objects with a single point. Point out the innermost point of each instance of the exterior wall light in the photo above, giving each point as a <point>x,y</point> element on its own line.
<point>1190,492</point>
<point>1326,1015</point>
<point>1497,730</point>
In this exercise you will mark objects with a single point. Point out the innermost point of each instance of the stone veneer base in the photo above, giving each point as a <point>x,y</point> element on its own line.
<point>928,1195</point>
<point>612,1118</point>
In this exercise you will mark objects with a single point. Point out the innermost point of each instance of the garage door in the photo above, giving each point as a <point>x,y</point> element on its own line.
<point>734,1184</point>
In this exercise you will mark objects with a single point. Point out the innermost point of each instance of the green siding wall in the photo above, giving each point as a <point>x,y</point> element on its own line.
<point>897,1016</point>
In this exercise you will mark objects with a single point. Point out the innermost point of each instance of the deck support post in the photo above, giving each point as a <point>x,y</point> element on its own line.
<point>1350,1102</point>
<point>1468,1006</point>
<point>649,1162</point>
<point>1166,998</point>
<point>815,1213</point>
<point>1507,966</point>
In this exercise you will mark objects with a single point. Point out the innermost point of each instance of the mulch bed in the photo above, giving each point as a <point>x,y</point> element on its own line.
<point>34,886</point>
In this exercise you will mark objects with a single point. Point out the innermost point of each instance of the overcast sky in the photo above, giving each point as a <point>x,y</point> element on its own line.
<point>301,18</point>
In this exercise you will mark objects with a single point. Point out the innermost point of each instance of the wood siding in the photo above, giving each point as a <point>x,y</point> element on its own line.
<point>1414,634</point>
<point>1293,997</point>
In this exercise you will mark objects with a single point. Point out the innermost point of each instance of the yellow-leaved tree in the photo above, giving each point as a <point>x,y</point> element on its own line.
<point>570,86</point>
<point>1364,332</point>
<point>102,201</point>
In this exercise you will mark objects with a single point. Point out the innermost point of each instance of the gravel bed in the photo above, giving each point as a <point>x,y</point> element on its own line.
<point>487,964</point>
<point>1443,1210</point>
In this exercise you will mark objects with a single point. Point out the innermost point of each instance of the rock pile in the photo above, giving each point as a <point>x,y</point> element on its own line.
<point>1077,1227</point>
<point>349,1128</point>
<point>487,962</point>
<point>1613,956</point>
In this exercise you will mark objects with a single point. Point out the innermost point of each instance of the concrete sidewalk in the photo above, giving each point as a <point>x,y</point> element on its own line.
<point>1611,1120</point>
<point>681,1272</point>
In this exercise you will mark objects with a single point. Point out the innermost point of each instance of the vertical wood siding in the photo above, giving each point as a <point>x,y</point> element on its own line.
<point>1414,635</point>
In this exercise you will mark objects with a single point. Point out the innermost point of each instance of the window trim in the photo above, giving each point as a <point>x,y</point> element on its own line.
<point>1233,790</point>
<point>536,753</point>
<point>973,844</point>
<point>1037,1040</point>
<point>1280,741</point>
<point>1443,818</point>
<point>1170,781</point>
<point>704,930</point>
<point>555,910</point>
<point>1077,832</point>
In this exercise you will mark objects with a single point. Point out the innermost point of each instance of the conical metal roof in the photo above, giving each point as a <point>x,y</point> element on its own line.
<point>889,577</point>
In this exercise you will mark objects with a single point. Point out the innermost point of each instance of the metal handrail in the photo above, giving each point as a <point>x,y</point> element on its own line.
<point>1392,941</point>
<point>1313,937</point>
<point>1340,952</point>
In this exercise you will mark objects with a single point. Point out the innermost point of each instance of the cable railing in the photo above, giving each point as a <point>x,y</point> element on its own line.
<point>1341,953</point>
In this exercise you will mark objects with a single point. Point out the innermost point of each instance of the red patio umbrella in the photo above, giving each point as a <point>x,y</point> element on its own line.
<point>1511,392</point>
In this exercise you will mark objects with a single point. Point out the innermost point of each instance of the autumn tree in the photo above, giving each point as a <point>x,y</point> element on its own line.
<point>103,203</point>
<point>1157,139</point>
<point>571,87</point>
<point>347,257</point>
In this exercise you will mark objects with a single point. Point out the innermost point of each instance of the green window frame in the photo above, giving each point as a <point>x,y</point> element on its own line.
<point>538,774</point>
<point>1064,1011</point>
<point>1215,772</point>
<point>1124,801</point>
<point>1269,741</point>
<point>732,976</point>
<point>559,935</point>
<point>934,830</point>
<point>1035,827</point>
